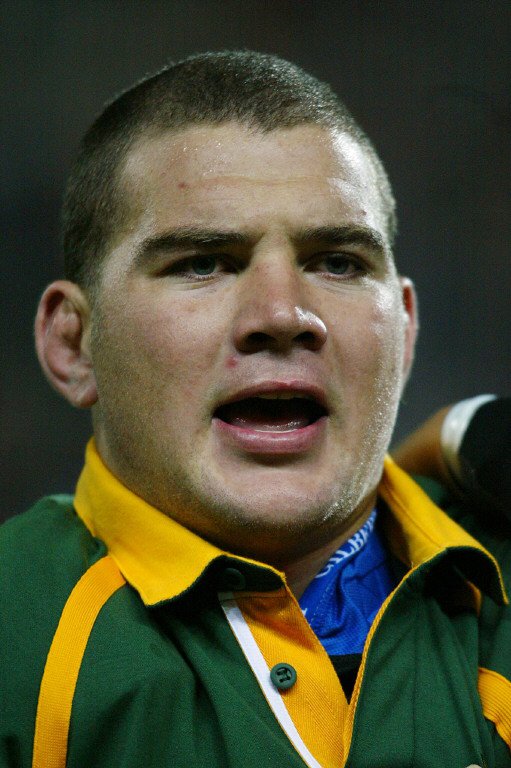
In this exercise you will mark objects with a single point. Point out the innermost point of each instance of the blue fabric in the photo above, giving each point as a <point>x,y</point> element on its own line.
<point>341,602</point>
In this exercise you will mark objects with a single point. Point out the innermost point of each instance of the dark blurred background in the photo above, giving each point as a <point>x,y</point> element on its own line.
<point>430,83</point>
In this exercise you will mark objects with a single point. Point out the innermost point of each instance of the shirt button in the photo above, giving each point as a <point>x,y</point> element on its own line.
<point>283,676</point>
<point>233,579</point>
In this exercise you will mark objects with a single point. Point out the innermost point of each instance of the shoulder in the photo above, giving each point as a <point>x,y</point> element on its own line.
<point>490,526</point>
<point>43,553</point>
<point>47,542</point>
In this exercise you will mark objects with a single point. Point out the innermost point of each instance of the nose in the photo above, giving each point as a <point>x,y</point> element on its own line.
<point>274,312</point>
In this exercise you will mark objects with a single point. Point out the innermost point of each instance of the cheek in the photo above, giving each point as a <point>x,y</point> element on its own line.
<point>369,340</point>
<point>160,348</point>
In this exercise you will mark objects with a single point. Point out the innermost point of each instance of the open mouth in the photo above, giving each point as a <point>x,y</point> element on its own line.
<point>271,413</point>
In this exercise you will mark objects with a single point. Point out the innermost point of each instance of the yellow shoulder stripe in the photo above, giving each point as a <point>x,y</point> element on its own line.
<point>64,659</point>
<point>495,694</point>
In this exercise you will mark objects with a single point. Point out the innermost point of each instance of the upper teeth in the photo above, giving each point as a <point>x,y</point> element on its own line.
<point>281,396</point>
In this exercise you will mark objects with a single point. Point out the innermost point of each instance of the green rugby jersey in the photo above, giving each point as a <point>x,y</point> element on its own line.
<point>128,641</point>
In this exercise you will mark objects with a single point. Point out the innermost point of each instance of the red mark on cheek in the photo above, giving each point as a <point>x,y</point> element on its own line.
<point>231,362</point>
<point>182,185</point>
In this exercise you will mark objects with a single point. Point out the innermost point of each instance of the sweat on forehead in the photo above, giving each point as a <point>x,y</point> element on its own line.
<point>184,181</point>
<point>250,88</point>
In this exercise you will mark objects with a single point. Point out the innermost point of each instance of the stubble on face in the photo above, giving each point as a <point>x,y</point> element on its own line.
<point>152,427</point>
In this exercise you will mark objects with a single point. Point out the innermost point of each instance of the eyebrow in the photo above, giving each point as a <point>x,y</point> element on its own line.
<point>187,237</point>
<point>183,238</point>
<point>349,234</point>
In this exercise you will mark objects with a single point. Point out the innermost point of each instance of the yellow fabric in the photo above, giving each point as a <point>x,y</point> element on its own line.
<point>282,633</point>
<point>64,660</point>
<point>316,702</point>
<point>157,556</point>
<point>418,529</point>
<point>425,529</point>
<point>160,558</point>
<point>495,695</point>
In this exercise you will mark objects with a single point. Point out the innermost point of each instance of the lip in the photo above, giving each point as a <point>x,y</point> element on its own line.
<point>266,442</point>
<point>295,441</point>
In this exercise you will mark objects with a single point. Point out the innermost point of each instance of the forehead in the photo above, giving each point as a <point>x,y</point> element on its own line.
<point>207,172</point>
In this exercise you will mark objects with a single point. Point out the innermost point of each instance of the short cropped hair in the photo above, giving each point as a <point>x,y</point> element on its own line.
<point>258,90</point>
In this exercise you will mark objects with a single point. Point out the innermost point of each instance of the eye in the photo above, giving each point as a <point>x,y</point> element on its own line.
<point>338,264</point>
<point>203,265</point>
<point>199,267</point>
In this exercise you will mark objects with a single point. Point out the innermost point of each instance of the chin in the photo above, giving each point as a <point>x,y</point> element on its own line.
<point>278,514</point>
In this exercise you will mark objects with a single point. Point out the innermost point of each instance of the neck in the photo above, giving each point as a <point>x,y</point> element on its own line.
<point>300,572</point>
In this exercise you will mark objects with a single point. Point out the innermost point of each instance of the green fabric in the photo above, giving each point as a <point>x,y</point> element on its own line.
<point>43,553</point>
<point>168,686</point>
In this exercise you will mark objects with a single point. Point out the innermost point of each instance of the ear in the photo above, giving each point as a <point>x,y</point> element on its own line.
<point>62,328</point>
<point>411,320</point>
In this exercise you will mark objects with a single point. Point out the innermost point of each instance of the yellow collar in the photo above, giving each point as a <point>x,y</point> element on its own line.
<point>156,555</point>
<point>161,559</point>
<point>418,530</point>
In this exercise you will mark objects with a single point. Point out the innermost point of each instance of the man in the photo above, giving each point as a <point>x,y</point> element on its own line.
<point>233,317</point>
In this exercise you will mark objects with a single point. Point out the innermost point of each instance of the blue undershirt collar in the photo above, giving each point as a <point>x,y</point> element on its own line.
<point>342,600</point>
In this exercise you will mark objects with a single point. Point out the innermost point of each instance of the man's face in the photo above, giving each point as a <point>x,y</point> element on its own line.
<point>249,338</point>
